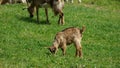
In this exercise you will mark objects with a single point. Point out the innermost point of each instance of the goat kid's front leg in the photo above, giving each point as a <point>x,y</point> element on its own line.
<point>63,49</point>
<point>46,12</point>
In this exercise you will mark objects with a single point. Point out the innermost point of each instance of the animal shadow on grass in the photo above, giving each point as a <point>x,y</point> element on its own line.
<point>42,46</point>
<point>31,20</point>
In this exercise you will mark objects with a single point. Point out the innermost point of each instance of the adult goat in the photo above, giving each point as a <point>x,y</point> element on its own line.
<point>56,5</point>
<point>12,1</point>
<point>79,1</point>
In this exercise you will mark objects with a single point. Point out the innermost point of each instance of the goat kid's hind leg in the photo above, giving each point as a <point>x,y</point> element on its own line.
<point>63,49</point>
<point>46,12</point>
<point>78,49</point>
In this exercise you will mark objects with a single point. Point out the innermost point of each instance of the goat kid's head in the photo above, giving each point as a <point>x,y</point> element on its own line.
<point>52,49</point>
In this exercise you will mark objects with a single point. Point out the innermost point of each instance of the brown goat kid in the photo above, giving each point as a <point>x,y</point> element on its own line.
<point>67,37</point>
<point>56,5</point>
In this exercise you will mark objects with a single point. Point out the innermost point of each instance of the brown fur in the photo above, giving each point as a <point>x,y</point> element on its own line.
<point>5,1</point>
<point>56,5</point>
<point>66,37</point>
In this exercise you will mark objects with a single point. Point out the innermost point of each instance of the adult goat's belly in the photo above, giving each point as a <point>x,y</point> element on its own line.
<point>44,5</point>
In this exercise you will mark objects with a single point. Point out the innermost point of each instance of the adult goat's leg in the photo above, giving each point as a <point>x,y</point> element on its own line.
<point>46,12</point>
<point>71,1</point>
<point>61,18</point>
<point>79,1</point>
<point>37,13</point>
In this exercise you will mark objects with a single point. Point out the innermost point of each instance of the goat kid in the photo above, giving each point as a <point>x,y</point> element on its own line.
<point>67,37</point>
<point>56,5</point>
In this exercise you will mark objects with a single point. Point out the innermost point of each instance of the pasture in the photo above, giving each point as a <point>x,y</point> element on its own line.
<point>23,42</point>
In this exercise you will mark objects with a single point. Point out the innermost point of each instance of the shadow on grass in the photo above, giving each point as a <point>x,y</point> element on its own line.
<point>31,20</point>
<point>44,45</point>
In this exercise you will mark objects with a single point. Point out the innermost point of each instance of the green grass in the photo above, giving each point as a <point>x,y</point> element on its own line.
<point>23,41</point>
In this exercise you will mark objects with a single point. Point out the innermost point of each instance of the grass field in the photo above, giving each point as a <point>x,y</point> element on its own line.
<point>23,41</point>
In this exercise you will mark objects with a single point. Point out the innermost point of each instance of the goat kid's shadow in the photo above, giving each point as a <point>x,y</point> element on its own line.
<point>32,20</point>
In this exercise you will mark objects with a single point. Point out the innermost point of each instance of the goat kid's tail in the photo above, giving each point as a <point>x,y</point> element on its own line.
<point>83,29</point>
